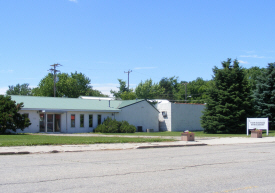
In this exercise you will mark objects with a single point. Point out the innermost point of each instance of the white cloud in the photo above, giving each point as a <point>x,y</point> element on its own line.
<point>140,68</point>
<point>3,90</point>
<point>75,1</point>
<point>243,62</point>
<point>251,56</point>
<point>105,88</point>
<point>6,71</point>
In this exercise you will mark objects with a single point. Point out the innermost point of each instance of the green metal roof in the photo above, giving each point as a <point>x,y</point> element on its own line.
<point>66,104</point>
<point>72,104</point>
<point>128,102</point>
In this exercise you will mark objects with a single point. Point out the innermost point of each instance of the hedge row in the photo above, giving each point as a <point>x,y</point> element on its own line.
<point>113,126</point>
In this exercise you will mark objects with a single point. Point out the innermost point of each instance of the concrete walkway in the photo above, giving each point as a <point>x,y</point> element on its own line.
<point>121,146</point>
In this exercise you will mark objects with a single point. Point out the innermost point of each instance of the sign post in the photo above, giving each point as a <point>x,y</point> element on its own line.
<point>258,123</point>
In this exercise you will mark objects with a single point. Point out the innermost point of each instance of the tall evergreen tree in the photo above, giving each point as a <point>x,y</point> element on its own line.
<point>229,102</point>
<point>264,95</point>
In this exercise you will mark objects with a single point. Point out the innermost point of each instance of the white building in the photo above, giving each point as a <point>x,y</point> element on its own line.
<point>179,117</point>
<point>70,115</point>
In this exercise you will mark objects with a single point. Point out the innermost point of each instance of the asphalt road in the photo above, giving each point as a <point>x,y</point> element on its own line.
<point>225,168</point>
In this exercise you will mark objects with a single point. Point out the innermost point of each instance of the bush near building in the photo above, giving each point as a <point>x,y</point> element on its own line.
<point>113,126</point>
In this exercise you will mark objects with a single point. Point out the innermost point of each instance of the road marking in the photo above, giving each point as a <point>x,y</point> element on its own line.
<point>237,189</point>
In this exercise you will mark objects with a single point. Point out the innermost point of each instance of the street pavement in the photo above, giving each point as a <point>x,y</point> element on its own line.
<point>123,146</point>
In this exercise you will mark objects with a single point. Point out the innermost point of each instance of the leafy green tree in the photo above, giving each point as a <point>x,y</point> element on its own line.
<point>122,89</point>
<point>264,94</point>
<point>9,116</point>
<point>73,86</point>
<point>18,89</point>
<point>170,86</point>
<point>252,75</point>
<point>196,91</point>
<point>229,102</point>
<point>130,95</point>
<point>93,92</point>
<point>149,90</point>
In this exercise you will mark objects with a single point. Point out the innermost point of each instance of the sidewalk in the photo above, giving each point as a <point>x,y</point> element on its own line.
<point>123,146</point>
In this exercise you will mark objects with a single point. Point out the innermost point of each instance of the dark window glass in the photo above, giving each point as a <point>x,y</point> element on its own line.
<point>90,120</point>
<point>81,120</point>
<point>98,119</point>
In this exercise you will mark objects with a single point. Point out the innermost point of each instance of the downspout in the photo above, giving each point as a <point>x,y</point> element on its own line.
<point>66,122</point>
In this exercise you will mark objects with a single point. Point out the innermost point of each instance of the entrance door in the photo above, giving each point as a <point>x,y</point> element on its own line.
<point>50,122</point>
<point>42,122</point>
<point>57,122</point>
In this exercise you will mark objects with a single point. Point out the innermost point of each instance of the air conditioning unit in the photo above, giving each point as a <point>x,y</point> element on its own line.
<point>164,113</point>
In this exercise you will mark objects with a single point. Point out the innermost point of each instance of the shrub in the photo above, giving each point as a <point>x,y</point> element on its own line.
<point>110,125</point>
<point>127,128</point>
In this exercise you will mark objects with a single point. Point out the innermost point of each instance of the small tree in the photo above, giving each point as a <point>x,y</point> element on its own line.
<point>264,94</point>
<point>229,102</point>
<point>9,116</point>
<point>149,90</point>
<point>22,89</point>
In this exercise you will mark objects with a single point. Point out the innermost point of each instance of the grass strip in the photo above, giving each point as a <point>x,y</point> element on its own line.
<point>271,133</point>
<point>32,140</point>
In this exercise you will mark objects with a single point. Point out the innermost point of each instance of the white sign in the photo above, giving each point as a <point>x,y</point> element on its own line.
<point>257,123</point>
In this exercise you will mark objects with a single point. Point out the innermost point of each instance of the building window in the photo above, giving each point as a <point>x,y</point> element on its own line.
<point>98,119</point>
<point>81,120</point>
<point>72,120</point>
<point>90,120</point>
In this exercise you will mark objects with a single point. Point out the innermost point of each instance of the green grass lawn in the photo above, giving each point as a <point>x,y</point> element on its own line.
<point>31,140</point>
<point>197,134</point>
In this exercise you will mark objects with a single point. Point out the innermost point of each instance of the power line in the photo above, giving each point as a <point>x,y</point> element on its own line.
<point>54,76</point>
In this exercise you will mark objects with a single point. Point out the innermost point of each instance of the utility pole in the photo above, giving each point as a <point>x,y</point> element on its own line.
<point>54,75</point>
<point>128,77</point>
<point>185,84</point>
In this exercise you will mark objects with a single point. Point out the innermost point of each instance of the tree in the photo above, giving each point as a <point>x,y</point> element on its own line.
<point>73,86</point>
<point>149,90</point>
<point>229,102</point>
<point>196,91</point>
<point>9,116</point>
<point>264,94</point>
<point>128,95</point>
<point>93,92</point>
<point>123,93</point>
<point>252,75</point>
<point>122,88</point>
<point>22,89</point>
<point>170,86</point>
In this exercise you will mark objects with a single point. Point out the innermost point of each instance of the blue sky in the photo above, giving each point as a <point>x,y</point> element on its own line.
<point>153,38</point>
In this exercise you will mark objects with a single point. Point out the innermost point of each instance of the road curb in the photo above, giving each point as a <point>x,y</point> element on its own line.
<point>14,153</point>
<point>165,146</point>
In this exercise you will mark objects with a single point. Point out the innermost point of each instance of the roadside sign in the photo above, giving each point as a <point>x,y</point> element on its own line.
<point>257,123</point>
